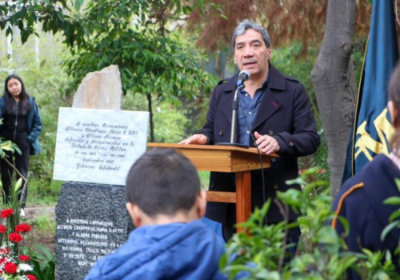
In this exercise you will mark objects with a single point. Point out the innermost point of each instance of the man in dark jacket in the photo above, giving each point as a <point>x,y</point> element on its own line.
<point>165,202</point>
<point>273,114</point>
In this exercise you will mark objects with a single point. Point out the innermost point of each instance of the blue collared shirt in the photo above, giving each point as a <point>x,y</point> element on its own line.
<point>247,111</point>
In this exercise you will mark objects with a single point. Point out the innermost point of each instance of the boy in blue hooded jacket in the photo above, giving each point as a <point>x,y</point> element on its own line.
<point>165,202</point>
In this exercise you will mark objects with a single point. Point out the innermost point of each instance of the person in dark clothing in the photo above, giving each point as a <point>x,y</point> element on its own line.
<point>273,114</point>
<point>21,124</point>
<point>361,198</point>
<point>166,203</point>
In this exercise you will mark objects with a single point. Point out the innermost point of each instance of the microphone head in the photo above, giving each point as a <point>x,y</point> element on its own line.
<point>243,76</point>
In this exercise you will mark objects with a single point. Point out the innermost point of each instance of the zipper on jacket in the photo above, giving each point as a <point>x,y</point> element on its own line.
<point>16,122</point>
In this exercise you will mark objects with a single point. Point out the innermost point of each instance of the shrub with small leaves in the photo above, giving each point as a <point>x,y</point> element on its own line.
<point>261,252</point>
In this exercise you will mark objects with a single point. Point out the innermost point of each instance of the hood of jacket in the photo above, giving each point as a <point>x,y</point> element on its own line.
<point>171,251</point>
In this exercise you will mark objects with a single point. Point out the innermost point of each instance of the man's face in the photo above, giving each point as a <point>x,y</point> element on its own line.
<point>252,54</point>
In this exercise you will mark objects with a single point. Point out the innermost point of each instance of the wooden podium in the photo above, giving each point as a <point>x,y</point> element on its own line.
<point>226,159</point>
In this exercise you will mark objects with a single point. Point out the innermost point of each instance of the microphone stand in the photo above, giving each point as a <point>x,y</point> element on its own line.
<point>233,138</point>
<point>234,115</point>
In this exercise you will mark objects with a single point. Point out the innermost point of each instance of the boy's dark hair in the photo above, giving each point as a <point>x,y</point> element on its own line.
<point>163,181</point>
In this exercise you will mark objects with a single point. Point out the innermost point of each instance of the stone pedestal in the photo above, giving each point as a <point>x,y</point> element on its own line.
<point>91,222</point>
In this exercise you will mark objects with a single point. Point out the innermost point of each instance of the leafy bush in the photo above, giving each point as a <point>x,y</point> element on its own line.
<point>168,119</point>
<point>262,253</point>
<point>44,263</point>
<point>44,223</point>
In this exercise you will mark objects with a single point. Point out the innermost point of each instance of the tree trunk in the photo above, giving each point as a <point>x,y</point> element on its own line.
<point>37,46</point>
<point>150,106</point>
<point>9,48</point>
<point>15,52</point>
<point>333,84</point>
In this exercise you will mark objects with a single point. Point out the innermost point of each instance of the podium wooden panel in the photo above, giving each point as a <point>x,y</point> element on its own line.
<point>225,159</point>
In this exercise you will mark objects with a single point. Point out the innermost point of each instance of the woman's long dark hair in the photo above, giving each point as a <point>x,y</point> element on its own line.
<point>23,97</point>
<point>394,96</point>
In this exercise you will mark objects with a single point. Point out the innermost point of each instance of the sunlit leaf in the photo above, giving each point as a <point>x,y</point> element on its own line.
<point>392,201</point>
<point>389,228</point>
<point>18,185</point>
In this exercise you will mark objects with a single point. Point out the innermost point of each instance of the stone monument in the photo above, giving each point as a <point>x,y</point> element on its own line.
<point>100,90</point>
<point>94,151</point>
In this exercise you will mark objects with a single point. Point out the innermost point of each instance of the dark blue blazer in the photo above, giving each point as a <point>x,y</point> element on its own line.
<point>284,113</point>
<point>362,205</point>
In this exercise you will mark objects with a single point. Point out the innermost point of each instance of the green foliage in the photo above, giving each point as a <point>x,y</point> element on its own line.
<point>43,193</point>
<point>44,223</point>
<point>204,179</point>
<point>169,124</point>
<point>130,34</point>
<point>64,16</point>
<point>48,99</point>
<point>394,217</point>
<point>197,113</point>
<point>263,253</point>
<point>13,202</point>
<point>53,14</point>
<point>153,61</point>
<point>357,55</point>
<point>44,263</point>
<point>169,120</point>
<point>290,61</point>
<point>45,80</point>
<point>148,64</point>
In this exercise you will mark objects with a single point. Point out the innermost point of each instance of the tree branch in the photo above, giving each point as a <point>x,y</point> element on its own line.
<point>283,208</point>
<point>4,19</point>
<point>23,177</point>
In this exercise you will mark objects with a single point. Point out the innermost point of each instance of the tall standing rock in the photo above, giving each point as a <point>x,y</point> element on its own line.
<point>100,90</point>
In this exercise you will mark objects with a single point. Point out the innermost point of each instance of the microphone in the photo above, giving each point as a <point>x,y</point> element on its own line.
<point>243,76</point>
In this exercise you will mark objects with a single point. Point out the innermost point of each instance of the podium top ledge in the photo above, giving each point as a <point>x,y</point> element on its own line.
<point>206,147</point>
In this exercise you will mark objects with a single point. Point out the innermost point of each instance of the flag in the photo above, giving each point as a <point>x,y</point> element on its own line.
<point>372,128</point>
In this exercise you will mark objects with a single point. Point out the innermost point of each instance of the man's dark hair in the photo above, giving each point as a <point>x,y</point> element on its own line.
<point>163,181</point>
<point>245,25</point>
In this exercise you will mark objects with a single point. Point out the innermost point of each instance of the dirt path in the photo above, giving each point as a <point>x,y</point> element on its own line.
<point>33,212</point>
<point>42,220</point>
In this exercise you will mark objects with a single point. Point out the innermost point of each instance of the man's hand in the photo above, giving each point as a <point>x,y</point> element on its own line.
<point>198,139</point>
<point>266,143</point>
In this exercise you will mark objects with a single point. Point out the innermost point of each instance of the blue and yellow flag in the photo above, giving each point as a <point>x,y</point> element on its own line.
<point>372,128</point>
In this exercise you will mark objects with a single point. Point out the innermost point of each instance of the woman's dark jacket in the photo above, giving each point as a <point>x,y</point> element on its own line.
<point>34,124</point>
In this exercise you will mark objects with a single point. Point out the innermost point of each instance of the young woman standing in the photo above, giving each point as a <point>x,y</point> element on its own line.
<point>22,125</point>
